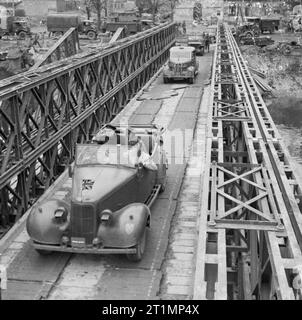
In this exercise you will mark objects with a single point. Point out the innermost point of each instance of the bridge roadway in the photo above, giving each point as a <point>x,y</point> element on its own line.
<point>167,268</point>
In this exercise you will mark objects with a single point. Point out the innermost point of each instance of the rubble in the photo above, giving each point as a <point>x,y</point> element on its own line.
<point>283,72</point>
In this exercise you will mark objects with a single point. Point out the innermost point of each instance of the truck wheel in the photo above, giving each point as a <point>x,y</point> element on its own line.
<point>140,249</point>
<point>43,252</point>
<point>91,35</point>
<point>22,35</point>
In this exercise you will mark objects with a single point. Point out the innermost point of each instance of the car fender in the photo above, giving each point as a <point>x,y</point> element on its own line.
<point>125,227</point>
<point>42,225</point>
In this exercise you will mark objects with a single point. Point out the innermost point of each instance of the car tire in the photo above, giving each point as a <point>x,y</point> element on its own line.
<point>22,35</point>
<point>140,249</point>
<point>166,80</point>
<point>91,35</point>
<point>191,80</point>
<point>43,252</point>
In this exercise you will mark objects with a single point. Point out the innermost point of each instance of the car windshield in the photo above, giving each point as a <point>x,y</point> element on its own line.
<point>183,55</point>
<point>94,154</point>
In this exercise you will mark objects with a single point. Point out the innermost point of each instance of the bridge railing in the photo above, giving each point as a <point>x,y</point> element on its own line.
<point>46,111</point>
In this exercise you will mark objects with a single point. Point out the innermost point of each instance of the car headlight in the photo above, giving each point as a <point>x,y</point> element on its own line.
<point>105,215</point>
<point>60,215</point>
<point>191,69</point>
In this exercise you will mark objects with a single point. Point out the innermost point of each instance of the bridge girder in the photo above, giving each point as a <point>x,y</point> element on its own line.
<point>46,111</point>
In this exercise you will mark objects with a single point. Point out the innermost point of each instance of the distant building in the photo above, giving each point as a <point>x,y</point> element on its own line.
<point>67,5</point>
<point>115,6</point>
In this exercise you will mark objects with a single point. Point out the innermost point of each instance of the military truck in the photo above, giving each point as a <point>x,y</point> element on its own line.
<point>198,42</point>
<point>265,24</point>
<point>59,23</point>
<point>128,20</point>
<point>182,64</point>
<point>14,25</point>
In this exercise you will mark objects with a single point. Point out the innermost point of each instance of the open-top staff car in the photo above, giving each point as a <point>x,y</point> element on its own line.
<point>115,180</point>
<point>182,64</point>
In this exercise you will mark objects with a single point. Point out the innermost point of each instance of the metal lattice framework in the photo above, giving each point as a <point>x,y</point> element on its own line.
<point>250,225</point>
<point>67,46</point>
<point>45,111</point>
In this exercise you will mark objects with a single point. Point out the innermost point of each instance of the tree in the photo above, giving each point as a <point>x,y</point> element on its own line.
<point>143,6</point>
<point>88,8</point>
<point>156,6</point>
<point>171,6</point>
<point>97,6</point>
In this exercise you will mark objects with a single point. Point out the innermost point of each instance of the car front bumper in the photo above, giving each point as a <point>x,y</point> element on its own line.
<point>86,249</point>
<point>181,75</point>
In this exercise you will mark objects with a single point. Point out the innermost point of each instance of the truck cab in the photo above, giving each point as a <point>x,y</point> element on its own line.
<point>14,25</point>
<point>182,64</point>
<point>88,27</point>
<point>198,43</point>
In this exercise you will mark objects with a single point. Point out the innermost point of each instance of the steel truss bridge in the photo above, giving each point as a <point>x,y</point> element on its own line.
<point>249,232</point>
<point>250,227</point>
<point>45,111</point>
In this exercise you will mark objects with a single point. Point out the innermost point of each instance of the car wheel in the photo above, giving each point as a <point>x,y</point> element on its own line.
<point>191,80</point>
<point>44,252</point>
<point>22,35</point>
<point>91,35</point>
<point>166,80</point>
<point>140,249</point>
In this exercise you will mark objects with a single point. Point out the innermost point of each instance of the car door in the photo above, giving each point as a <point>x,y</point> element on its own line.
<point>146,179</point>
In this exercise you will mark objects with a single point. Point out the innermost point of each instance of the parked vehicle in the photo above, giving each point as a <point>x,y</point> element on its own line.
<point>130,27</point>
<point>130,21</point>
<point>198,43</point>
<point>265,24</point>
<point>248,29</point>
<point>182,64</point>
<point>115,180</point>
<point>14,25</point>
<point>59,23</point>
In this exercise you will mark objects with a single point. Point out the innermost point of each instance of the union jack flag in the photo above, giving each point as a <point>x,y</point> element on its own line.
<point>87,184</point>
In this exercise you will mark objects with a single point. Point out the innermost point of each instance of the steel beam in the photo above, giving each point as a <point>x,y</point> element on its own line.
<point>44,112</point>
<point>243,200</point>
<point>67,46</point>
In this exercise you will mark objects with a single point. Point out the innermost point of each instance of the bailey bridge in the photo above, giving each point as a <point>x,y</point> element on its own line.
<point>228,225</point>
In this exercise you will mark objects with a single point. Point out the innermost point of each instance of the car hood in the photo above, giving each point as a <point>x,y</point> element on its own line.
<point>180,60</point>
<point>93,183</point>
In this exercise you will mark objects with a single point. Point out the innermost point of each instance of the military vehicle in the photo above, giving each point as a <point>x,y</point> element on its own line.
<point>182,64</point>
<point>59,23</point>
<point>115,181</point>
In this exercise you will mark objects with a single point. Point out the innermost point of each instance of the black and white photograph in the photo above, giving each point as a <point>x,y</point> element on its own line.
<point>150,154</point>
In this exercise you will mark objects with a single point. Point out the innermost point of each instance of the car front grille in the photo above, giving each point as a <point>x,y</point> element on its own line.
<point>83,222</point>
